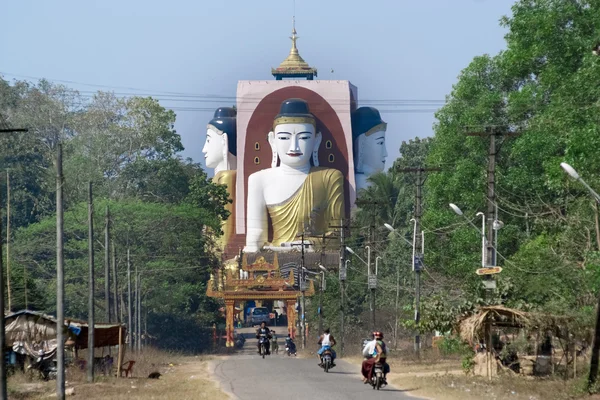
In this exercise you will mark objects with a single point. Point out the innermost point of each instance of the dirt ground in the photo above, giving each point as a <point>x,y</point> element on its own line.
<point>182,378</point>
<point>440,379</point>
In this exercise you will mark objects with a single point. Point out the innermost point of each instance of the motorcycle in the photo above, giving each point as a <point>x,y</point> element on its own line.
<point>290,348</point>
<point>263,348</point>
<point>327,360</point>
<point>377,379</point>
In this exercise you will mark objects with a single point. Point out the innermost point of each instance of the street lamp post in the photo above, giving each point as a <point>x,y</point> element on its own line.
<point>482,215</point>
<point>372,281</point>
<point>417,285</point>
<point>488,280</point>
<point>595,359</point>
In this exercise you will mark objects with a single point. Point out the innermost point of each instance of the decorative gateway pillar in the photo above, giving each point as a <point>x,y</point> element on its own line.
<point>291,317</point>
<point>229,310</point>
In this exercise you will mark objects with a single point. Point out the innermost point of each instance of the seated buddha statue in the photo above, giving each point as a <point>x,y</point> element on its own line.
<point>297,196</point>
<point>368,137</point>
<point>220,153</point>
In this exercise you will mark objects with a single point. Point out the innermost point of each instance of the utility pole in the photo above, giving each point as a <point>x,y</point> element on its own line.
<point>137,310</point>
<point>303,289</point>
<point>8,241</point>
<point>372,278</point>
<point>115,283</point>
<point>417,257</point>
<point>417,265</point>
<point>107,265</point>
<point>90,364</point>
<point>129,316</point>
<point>3,389</point>
<point>321,289</point>
<point>491,132</point>
<point>342,277</point>
<point>60,279</point>
<point>372,283</point>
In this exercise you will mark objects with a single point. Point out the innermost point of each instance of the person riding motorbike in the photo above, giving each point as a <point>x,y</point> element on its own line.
<point>379,356</point>
<point>274,344</point>
<point>369,348</point>
<point>327,341</point>
<point>265,332</point>
<point>289,343</point>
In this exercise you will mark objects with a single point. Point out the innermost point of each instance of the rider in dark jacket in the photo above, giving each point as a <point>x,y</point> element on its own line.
<point>263,331</point>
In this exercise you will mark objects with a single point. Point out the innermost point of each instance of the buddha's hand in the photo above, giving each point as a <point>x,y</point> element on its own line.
<point>250,249</point>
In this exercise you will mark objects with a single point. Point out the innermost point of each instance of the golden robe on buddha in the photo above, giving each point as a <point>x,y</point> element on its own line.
<point>227,178</point>
<point>317,204</point>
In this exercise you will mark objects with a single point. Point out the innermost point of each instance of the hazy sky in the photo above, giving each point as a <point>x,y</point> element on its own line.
<point>391,49</point>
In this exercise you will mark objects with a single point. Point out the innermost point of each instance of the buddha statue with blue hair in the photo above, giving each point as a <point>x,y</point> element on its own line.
<point>368,137</point>
<point>295,194</point>
<point>220,153</point>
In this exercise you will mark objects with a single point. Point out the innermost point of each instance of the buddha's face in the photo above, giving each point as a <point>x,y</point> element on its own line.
<point>295,143</point>
<point>374,152</point>
<point>213,148</point>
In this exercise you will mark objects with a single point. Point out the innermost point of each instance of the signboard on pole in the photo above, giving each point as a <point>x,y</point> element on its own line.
<point>342,273</point>
<point>489,271</point>
<point>418,262</point>
<point>372,281</point>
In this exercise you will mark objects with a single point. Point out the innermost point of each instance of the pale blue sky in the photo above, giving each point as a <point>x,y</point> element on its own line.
<point>390,49</point>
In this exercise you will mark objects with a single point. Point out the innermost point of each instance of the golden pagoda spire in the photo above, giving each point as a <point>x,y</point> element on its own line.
<point>294,65</point>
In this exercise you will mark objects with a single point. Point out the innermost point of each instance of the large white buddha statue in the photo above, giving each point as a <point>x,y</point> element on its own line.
<point>368,136</point>
<point>220,153</point>
<point>297,196</point>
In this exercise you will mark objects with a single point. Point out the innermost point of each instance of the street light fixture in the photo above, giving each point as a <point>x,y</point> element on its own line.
<point>458,211</point>
<point>595,359</point>
<point>571,171</point>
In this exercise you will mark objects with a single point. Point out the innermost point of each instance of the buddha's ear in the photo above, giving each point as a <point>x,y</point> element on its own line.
<point>225,150</point>
<point>315,154</point>
<point>359,144</point>
<point>274,157</point>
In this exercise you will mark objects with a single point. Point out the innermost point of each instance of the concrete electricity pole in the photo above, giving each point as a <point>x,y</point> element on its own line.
<point>60,279</point>
<point>9,294</point>
<point>107,265</point>
<point>129,316</point>
<point>91,308</point>
<point>492,133</point>
<point>418,257</point>
<point>3,389</point>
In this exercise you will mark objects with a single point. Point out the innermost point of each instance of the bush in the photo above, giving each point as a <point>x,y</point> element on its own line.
<point>451,345</point>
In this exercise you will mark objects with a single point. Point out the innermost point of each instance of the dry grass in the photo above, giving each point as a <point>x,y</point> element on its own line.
<point>434,377</point>
<point>183,377</point>
<point>454,387</point>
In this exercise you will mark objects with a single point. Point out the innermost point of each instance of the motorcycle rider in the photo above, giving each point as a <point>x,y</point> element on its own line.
<point>289,343</point>
<point>369,348</point>
<point>264,331</point>
<point>327,341</point>
<point>379,356</point>
<point>274,344</point>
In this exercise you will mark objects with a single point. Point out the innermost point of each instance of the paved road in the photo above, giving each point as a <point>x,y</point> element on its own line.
<point>246,376</point>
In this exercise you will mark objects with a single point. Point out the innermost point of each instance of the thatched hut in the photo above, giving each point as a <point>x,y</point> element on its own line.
<point>477,329</point>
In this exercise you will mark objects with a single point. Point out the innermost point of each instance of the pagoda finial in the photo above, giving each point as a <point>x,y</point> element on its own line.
<point>294,37</point>
<point>294,65</point>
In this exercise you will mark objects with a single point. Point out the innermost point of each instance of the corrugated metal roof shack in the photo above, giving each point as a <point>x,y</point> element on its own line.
<point>32,334</point>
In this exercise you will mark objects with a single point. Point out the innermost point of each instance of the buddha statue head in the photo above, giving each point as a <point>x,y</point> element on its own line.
<point>294,138</point>
<point>368,137</point>
<point>220,147</point>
